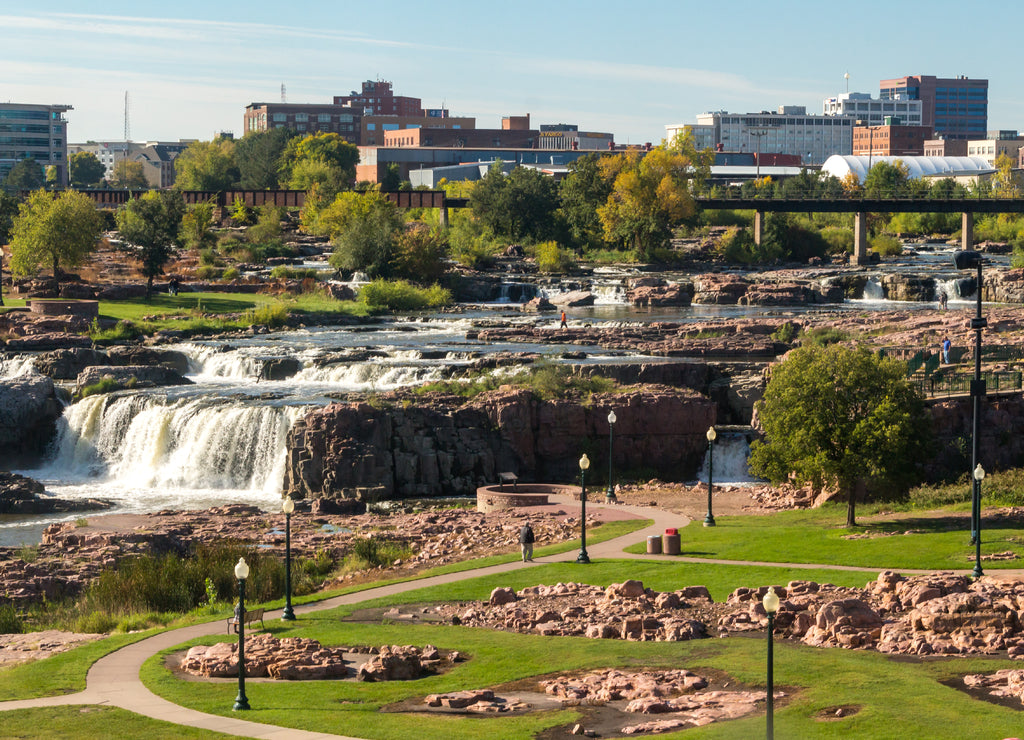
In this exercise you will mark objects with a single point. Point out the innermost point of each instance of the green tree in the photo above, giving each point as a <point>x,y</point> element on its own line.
<point>365,227</point>
<point>839,416</point>
<point>685,144</point>
<point>649,197</point>
<point>419,254</point>
<point>259,156</point>
<point>582,192</point>
<point>85,169</point>
<point>887,180</point>
<point>25,175</point>
<point>151,223</point>
<point>8,210</point>
<point>206,165</point>
<point>54,229</point>
<point>521,206</point>
<point>1005,183</point>
<point>197,227</point>
<point>322,158</point>
<point>129,174</point>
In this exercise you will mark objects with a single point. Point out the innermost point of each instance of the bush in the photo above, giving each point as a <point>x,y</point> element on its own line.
<point>824,336</point>
<point>786,333</point>
<point>553,259</point>
<point>106,384</point>
<point>208,272</point>
<point>839,240</point>
<point>399,295</point>
<point>272,315</point>
<point>231,273</point>
<point>887,246</point>
<point>209,257</point>
<point>96,622</point>
<point>282,272</point>
<point>10,622</point>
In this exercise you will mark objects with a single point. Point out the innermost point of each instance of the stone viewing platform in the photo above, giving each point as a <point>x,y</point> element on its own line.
<point>518,495</point>
<point>60,307</point>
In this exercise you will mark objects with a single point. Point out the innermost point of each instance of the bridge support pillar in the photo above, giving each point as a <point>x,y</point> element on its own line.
<point>860,239</point>
<point>758,227</point>
<point>444,217</point>
<point>966,230</point>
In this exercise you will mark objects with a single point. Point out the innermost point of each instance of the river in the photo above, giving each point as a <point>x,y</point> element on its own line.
<point>222,440</point>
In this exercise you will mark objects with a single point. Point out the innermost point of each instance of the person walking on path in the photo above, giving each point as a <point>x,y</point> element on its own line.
<point>526,539</point>
<point>946,344</point>
<point>564,324</point>
<point>943,300</point>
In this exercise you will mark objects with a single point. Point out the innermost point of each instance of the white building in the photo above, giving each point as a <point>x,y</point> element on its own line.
<point>790,130</point>
<point>1001,142</point>
<point>38,132</point>
<point>959,168</point>
<point>873,111</point>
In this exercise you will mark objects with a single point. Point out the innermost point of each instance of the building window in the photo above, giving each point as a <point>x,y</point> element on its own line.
<point>324,118</point>
<point>279,118</point>
<point>301,117</point>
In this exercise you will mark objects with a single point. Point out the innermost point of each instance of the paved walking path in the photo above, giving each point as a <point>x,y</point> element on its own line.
<point>114,679</point>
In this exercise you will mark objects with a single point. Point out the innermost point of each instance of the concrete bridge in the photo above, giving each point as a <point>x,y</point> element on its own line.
<point>860,207</point>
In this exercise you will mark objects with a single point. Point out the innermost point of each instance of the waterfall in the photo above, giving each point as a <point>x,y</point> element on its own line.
<point>731,453</point>
<point>17,365</point>
<point>146,441</point>
<point>212,361</point>
<point>873,290</point>
<point>367,376</point>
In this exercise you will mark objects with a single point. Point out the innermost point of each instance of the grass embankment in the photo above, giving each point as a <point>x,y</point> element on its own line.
<point>816,681</point>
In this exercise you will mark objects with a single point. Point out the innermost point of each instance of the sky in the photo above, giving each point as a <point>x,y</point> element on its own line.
<point>189,68</point>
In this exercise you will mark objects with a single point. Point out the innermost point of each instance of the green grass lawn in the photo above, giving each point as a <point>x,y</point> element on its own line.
<point>76,722</point>
<point>914,540</point>
<point>896,698</point>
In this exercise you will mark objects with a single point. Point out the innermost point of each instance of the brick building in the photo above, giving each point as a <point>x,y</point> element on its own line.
<point>305,118</point>
<point>890,140</point>
<point>378,99</point>
<point>954,107</point>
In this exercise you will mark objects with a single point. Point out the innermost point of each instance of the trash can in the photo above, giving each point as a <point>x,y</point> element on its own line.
<point>654,545</point>
<point>670,542</point>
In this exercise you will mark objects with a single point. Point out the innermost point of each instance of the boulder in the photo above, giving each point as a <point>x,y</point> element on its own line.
<point>29,409</point>
<point>137,355</point>
<point>131,376</point>
<point>66,364</point>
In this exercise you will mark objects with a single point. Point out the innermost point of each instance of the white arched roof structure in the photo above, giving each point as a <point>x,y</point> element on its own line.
<point>842,164</point>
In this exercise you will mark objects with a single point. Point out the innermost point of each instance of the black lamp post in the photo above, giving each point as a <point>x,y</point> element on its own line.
<point>609,495</point>
<point>241,573</point>
<point>709,519</point>
<point>771,605</point>
<point>584,464</point>
<point>965,260</point>
<point>288,506</point>
<point>979,476</point>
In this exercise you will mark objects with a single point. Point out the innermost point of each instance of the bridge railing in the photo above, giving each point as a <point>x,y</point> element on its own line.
<point>951,383</point>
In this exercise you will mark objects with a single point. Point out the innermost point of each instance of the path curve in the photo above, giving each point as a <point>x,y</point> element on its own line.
<point>113,680</point>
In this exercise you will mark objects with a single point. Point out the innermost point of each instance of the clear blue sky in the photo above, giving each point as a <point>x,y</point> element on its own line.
<point>191,67</point>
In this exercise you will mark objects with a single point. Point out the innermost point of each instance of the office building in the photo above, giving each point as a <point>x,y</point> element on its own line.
<point>955,108</point>
<point>874,111</point>
<point>378,99</point>
<point>997,144</point>
<point>36,132</point>
<point>305,118</point>
<point>890,140</point>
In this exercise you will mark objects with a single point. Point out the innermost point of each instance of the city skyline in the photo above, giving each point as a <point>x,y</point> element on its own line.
<point>191,69</point>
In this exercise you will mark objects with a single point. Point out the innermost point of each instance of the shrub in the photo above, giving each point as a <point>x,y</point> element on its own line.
<point>106,384</point>
<point>95,622</point>
<point>886,245</point>
<point>10,622</point>
<point>209,257</point>
<point>231,273</point>
<point>208,272</point>
<point>399,295</point>
<point>272,315</point>
<point>839,240</point>
<point>824,336</point>
<point>283,272</point>
<point>786,333</point>
<point>553,259</point>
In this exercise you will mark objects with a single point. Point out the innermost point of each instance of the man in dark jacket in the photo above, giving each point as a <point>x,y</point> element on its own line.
<point>526,541</point>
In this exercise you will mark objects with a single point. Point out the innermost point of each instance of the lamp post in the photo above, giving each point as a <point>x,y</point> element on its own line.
<point>771,605</point>
<point>584,464</point>
<point>288,506</point>
<point>609,495</point>
<point>965,260</point>
<point>241,573</point>
<point>979,476</point>
<point>709,519</point>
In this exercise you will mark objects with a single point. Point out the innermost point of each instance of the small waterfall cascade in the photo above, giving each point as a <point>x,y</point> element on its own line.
<point>147,441</point>
<point>516,292</point>
<point>731,452</point>
<point>12,367</point>
<point>370,376</point>
<point>873,290</point>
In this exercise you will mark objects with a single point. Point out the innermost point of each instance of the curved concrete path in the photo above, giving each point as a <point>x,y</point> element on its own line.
<point>114,679</point>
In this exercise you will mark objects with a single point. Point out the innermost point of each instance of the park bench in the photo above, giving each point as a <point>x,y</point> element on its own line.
<point>504,478</point>
<point>251,615</point>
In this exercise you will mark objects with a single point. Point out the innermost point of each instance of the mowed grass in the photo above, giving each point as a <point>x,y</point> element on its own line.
<point>896,698</point>
<point>920,541</point>
<point>74,722</point>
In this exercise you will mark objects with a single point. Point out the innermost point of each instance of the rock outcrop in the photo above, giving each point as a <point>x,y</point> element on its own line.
<point>29,409</point>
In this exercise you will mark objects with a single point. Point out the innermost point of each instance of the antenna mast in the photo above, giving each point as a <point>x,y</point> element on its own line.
<point>127,120</point>
<point>284,98</point>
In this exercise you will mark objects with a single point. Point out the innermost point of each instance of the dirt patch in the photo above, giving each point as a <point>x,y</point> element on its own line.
<point>15,649</point>
<point>831,714</point>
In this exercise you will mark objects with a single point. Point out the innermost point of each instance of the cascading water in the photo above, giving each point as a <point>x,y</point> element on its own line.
<point>15,366</point>
<point>873,290</point>
<point>731,453</point>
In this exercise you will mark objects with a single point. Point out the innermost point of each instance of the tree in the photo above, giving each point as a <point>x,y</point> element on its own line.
<point>322,158</point>
<point>648,198</point>
<point>419,255</point>
<point>364,229</point>
<point>151,223</point>
<point>129,174</point>
<point>520,206</point>
<point>85,169</point>
<point>54,229</point>
<point>582,192</point>
<point>685,144</point>
<point>25,175</point>
<point>8,210</point>
<point>1004,182</point>
<point>834,415</point>
<point>259,156</point>
<point>887,180</point>
<point>206,165</point>
<point>197,227</point>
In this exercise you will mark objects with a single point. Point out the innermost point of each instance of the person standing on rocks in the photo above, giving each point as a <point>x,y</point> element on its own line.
<point>564,324</point>
<point>946,344</point>
<point>526,539</point>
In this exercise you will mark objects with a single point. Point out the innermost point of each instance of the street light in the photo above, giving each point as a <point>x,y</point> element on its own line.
<point>609,495</point>
<point>709,520</point>
<point>584,464</point>
<point>288,506</point>
<point>965,260</point>
<point>770,602</point>
<point>241,573</point>
<point>979,476</point>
